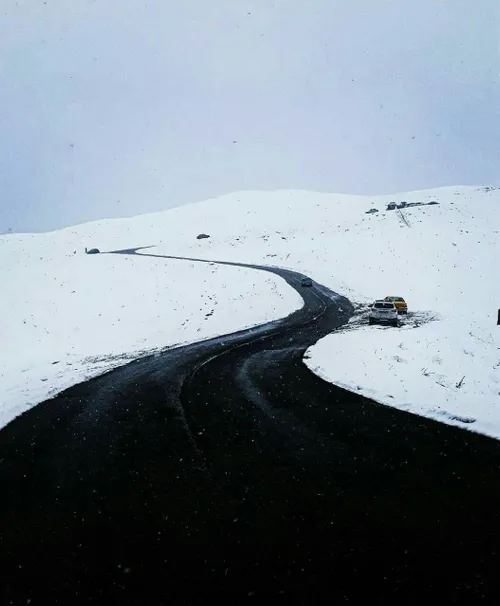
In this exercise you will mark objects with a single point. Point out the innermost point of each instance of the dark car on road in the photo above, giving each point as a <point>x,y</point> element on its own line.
<point>306,282</point>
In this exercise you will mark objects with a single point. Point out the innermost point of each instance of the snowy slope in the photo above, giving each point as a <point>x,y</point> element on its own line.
<point>445,362</point>
<point>67,316</point>
<point>440,258</point>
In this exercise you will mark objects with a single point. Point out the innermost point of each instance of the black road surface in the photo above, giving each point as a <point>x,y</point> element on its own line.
<point>227,469</point>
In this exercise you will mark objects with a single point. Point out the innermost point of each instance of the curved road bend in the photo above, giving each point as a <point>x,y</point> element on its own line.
<point>226,468</point>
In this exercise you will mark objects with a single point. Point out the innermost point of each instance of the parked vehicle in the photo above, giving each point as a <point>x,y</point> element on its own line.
<point>383,312</point>
<point>392,206</point>
<point>400,304</point>
<point>306,282</point>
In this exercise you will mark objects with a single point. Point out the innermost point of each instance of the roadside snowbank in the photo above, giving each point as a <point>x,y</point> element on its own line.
<point>430,366</point>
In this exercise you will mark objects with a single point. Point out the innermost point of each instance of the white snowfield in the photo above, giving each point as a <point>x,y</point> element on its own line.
<point>67,316</point>
<point>89,313</point>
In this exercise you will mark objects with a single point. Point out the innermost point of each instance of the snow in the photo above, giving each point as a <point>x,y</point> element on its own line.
<point>435,369</point>
<point>444,362</point>
<point>68,316</point>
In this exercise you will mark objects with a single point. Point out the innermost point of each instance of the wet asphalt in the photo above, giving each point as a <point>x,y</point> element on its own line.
<point>226,469</point>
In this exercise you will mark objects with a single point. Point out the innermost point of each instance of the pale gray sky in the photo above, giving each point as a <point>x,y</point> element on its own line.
<point>120,107</point>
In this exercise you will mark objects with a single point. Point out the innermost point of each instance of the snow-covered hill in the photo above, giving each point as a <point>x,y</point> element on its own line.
<point>445,362</point>
<point>66,316</point>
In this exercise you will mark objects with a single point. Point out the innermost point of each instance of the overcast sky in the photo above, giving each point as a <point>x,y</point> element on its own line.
<point>120,107</point>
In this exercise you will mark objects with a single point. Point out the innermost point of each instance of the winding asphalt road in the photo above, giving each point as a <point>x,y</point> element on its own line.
<point>226,468</point>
